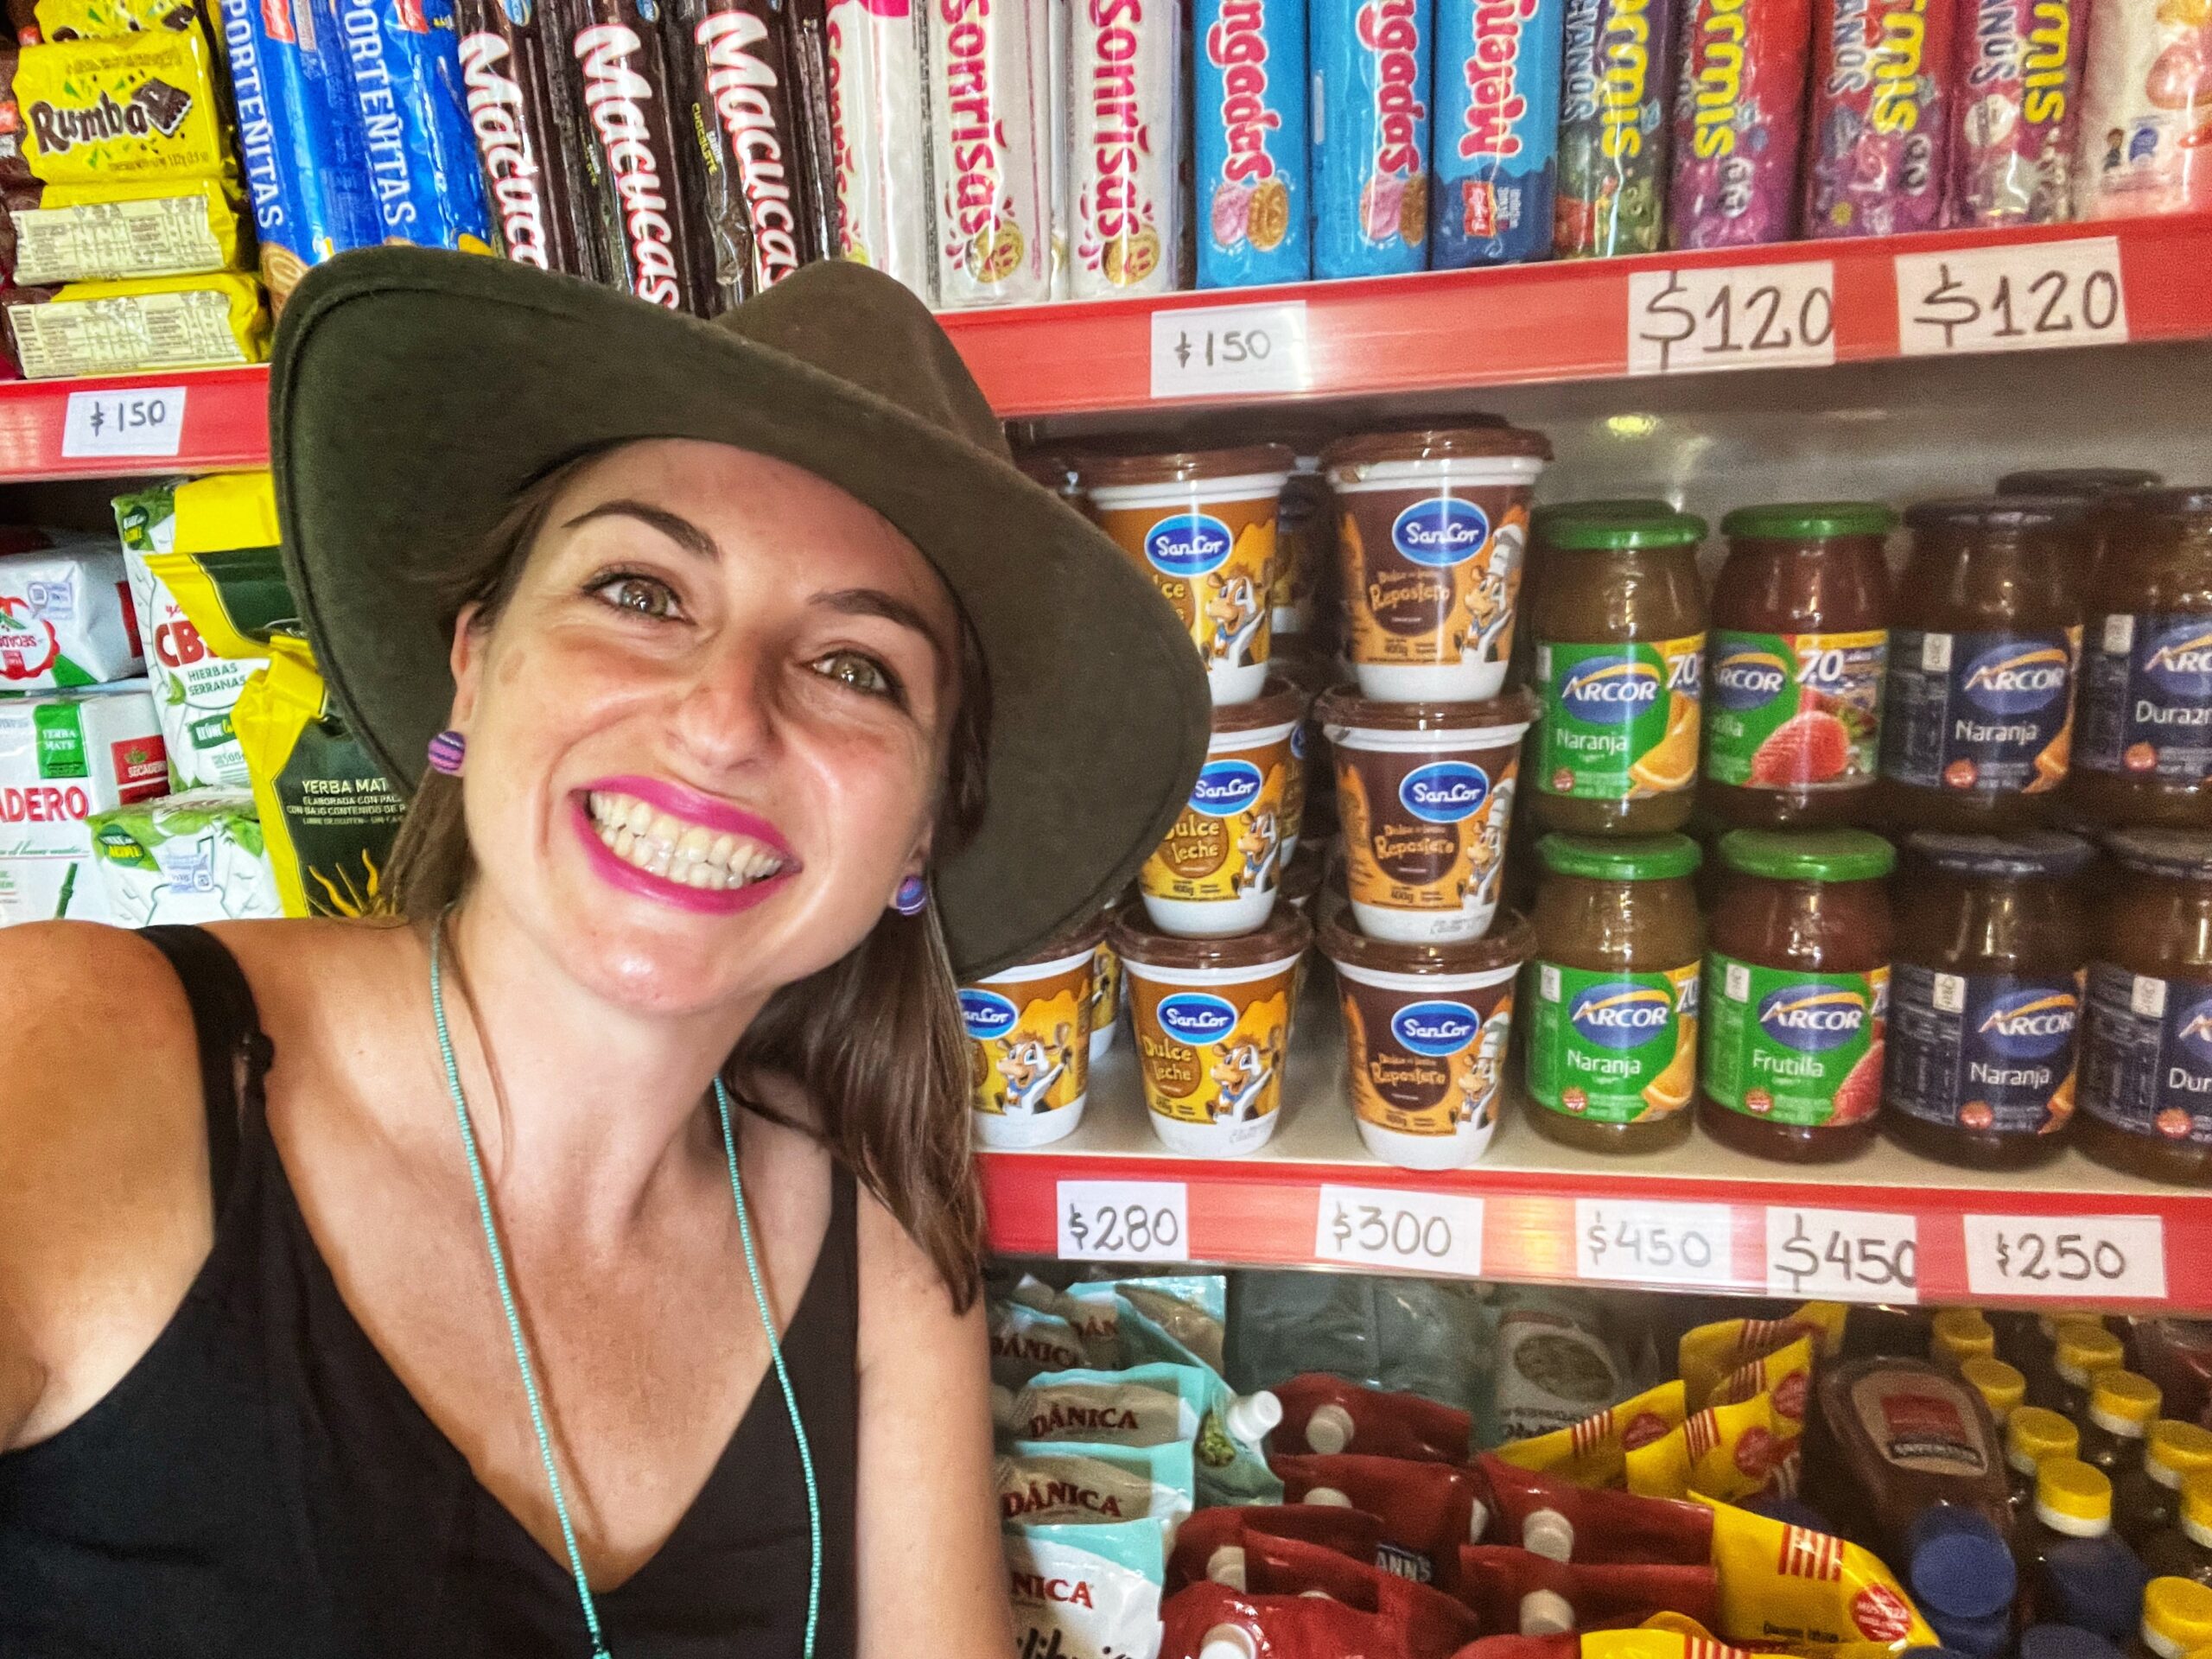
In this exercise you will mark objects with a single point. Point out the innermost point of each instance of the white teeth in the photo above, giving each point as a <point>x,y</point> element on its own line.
<point>624,840</point>
<point>725,844</point>
<point>687,855</point>
<point>694,841</point>
<point>640,817</point>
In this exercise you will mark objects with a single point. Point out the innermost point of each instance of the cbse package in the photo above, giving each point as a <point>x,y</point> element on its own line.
<point>64,756</point>
<point>193,858</point>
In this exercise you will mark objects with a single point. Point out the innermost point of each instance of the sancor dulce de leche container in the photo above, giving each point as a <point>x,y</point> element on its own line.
<point>1425,1037</point>
<point>1220,866</point>
<point>1212,1024</point>
<point>1425,799</point>
<point>1029,1042</point>
<point>1201,523</point>
<point>1431,528</point>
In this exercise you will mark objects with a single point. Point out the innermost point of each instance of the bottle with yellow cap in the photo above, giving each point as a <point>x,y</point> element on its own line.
<point>2183,1549</point>
<point>2033,1434</point>
<point>2078,1571</point>
<point>2083,1351</point>
<point>2001,1387</point>
<point>2122,1406</point>
<point>2147,1499</point>
<point>2176,1619</point>
<point>1960,1334</point>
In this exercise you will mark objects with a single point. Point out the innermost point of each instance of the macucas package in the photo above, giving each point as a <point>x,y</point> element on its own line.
<point>63,757</point>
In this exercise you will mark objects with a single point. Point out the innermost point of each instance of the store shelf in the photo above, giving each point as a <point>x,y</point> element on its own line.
<point>2098,1238</point>
<point>211,420</point>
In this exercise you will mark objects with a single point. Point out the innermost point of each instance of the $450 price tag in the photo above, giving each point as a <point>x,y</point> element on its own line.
<point>1849,1255</point>
<point>1214,350</point>
<point>1731,317</point>
<point>1123,1221</point>
<point>2013,299</point>
<point>1637,1240</point>
<point>1425,1232</point>
<point>135,421</point>
<point>2066,1255</point>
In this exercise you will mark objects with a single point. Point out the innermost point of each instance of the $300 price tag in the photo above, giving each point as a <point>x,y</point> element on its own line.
<point>1123,1221</point>
<point>1638,1240</point>
<point>1425,1232</point>
<point>1849,1255</point>
<point>2014,299</point>
<point>136,421</point>
<point>2058,1256</point>
<point>1731,317</point>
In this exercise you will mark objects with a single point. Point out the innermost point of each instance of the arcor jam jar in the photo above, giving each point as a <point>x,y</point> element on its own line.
<point>1985,996</point>
<point>2146,1051</point>
<point>1221,865</point>
<point>1796,990</point>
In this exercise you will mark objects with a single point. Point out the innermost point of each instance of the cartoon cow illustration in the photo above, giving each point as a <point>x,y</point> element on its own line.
<point>1236,606</point>
<point>1490,608</point>
<point>1258,849</point>
<point>1031,1066</point>
<point>1241,1077</point>
<point>1477,1101</point>
<point>1486,852</point>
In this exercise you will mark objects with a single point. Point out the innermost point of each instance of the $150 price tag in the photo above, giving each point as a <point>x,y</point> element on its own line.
<point>1639,1240</point>
<point>1425,1232</point>
<point>135,421</point>
<point>1123,1221</point>
<point>1214,350</point>
<point>2056,1255</point>
<point>2015,299</point>
<point>1849,1255</point>
<point>1731,317</point>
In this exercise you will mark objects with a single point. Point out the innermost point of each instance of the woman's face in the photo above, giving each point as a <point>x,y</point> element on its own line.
<point>705,734</point>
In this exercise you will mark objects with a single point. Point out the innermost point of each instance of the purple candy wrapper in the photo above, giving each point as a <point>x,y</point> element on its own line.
<point>2013,124</point>
<point>1739,110</point>
<point>1883,75</point>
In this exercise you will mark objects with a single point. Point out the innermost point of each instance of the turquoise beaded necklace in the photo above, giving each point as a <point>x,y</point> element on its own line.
<point>723,1112</point>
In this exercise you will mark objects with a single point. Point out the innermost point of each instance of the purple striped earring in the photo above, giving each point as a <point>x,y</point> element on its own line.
<point>448,750</point>
<point>912,897</point>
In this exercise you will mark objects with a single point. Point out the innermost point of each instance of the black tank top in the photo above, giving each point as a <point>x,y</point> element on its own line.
<point>261,1485</point>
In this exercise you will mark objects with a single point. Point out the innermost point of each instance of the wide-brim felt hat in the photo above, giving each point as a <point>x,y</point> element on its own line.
<point>414,393</point>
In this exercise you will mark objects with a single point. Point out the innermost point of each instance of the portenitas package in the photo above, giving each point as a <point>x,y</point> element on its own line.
<point>193,858</point>
<point>65,619</point>
<point>63,757</point>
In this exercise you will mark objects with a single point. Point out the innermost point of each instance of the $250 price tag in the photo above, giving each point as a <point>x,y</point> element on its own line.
<point>1848,1256</point>
<point>133,420</point>
<point>2022,298</point>
<point>1636,1240</point>
<point>1425,1232</point>
<point>1209,351</point>
<point>1731,317</point>
<point>1123,1221</point>
<point>2061,1256</point>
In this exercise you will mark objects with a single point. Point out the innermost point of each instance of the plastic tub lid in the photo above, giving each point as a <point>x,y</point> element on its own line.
<point>1959,1564</point>
<point>1506,945</point>
<point>1622,531</point>
<point>1068,942</point>
<point>1809,521</point>
<point>1279,703</point>
<point>2029,852</point>
<point>1437,443</point>
<point>2085,482</point>
<point>1183,466</point>
<point>2002,1387</point>
<point>1135,941</point>
<point>1620,858</point>
<point>1808,854</point>
<point>2120,1402</point>
<point>2068,1490</point>
<point>1342,705</point>
<point>1996,512</point>
<point>2163,852</point>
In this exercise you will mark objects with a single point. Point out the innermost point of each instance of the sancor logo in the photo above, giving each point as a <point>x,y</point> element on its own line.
<point>1196,1018</point>
<point>1434,1029</point>
<point>2180,659</point>
<point>1610,689</point>
<point>1225,786</point>
<point>1189,546</point>
<point>1748,677</point>
<point>2030,1024</point>
<point>2016,677</point>
<point>1621,1014</point>
<point>986,1014</point>
<point>1442,530</point>
<point>1813,1018</point>
<point>1444,792</point>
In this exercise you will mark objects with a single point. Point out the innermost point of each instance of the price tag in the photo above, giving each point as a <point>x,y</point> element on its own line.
<point>1124,1221</point>
<point>137,421</point>
<point>2072,1256</point>
<point>1638,1240</point>
<point>2015,299</point>
<point>1848,1256</point>
<point>1424,1232</point>
<point>1731,317</point>
<point>1219,350</point>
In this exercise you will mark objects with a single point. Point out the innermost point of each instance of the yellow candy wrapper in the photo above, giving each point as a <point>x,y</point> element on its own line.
<point>1593,1452</point>
<point>107,233</point>
<point>1808,1591</point>
<point>146,322</point>
<point>1727,1452</point>
<point>1663,1635</point>
<point>111,111</point>
<point>102,20</point>
<point>1711,1352</point>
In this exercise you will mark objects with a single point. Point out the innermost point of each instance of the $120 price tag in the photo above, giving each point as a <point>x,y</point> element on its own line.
<point>1636,1240</point>
<point>1731,317</point>
<point>2013,299</point>
<point>1123,1221</point>
<point>1424,1232</point>
<point>1848,1256</point>
<point>2066,1255</point>
<point>135,421</point>
<point>1216,349</point>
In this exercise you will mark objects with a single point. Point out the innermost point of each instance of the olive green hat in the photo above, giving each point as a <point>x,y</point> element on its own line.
<point>414,393</point>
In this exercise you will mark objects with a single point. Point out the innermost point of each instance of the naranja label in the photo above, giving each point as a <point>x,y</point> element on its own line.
<point>1794,710</point>
<point>1212,1054</point>
<point>1425,831</point>
<point>1801,1049</point>
<point>1029,1040</point>
<point>1228,842</point>
<point>1988,713</point>
<point>1612,1046</point>
<point>1427,1062</point>
<point>1618,721</point>
<point>1433,577</point>
<point>1215,564</point>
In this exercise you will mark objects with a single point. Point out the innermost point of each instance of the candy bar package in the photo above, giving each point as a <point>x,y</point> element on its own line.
<point>66,620</point>
<point>190,858</point>
<point>1614,102</point>
<point>145,322</point>
<point>2146,143</point>
<point>990,138</point>
<point>405,78</point>
<point>99,20</point>
<point>111,112</point>
<point>1740,101</point>
<point>880,137</point>
<point>1124,152</point>
<point>1883,75</point>
<point>297,146</point>
<point>1496,150</point>
<point>64,755</point>
<point>1254,200</point>
<point>2013,122</point>
<point>732,63</point>
<point>1370,65</point>
<point>528,151</point>
<point>101,232</point>
<point>807,41</point>
<point>627,110</point>
<point>1059,17</point>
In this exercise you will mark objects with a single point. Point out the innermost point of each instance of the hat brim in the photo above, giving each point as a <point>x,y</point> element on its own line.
<point>414,396</point>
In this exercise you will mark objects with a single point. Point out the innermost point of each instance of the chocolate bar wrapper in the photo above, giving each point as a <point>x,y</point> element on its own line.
<point>1883,76</point>
<point>148,323</point>
<point>650,243</point>
<point>111,112</point>
<point>990,125</point>
<point>1124,145</point>
<point>297,147</point>
<point>1616,97</point>
<point>731,61</point>
<point>85,232</point>
<point>2013,122</point>
<point>405,77</point>
<point>807,39</point>
<point>101,20</point>
<point>523,116</point>
<point>879,138</point>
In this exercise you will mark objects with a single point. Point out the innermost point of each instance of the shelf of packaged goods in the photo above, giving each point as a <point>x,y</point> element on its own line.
<point>1884,1226</point>
<point>185,421</point>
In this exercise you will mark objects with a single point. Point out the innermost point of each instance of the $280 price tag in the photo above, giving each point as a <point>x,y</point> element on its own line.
<point>1213,350</point>
<point>2011,299</point>
<point>1731,317</point>
<point>1639,1240</point>
<point>2060,1255</point>
<point>135,421</point>
<point>1848,1256</point>
<point>1123,1221</point>
<point>1425,1232</point>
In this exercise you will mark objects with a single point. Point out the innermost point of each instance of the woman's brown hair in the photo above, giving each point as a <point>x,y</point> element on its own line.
<point>874,1038</point>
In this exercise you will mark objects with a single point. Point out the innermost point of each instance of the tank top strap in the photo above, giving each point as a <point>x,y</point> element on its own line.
<point>235,1053</point>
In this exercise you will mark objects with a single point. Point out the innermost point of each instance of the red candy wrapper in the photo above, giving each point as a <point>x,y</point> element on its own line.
<point>1883,76</point>
<point>2013,122</point>
<point>1740,101</point>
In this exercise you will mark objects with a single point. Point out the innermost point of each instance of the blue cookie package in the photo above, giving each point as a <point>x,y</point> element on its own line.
<point>1249,62</point>
<point>1496,144</point>
<point>413,120</point>
<point>1370,63</point>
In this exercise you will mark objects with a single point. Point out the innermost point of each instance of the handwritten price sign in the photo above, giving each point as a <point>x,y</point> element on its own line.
<point>1229,350</point>
<point>1642,1242</point>
<point>141,421</point>
<point>2031,297</point>
<point>1850,1255</point>
<point>1123,1221</point>
<point>1731,317</point>
<point>1422,1232</point>
<point>2067,1255</point>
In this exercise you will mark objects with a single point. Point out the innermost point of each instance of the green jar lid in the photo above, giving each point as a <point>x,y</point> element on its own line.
<point>1808,854</point>
<point>1594,527</point>
<point>1620,858</point>
<point>1615,506</point>
<point>1809,521</point>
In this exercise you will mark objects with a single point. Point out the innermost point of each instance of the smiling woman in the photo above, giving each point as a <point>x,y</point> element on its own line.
<point>583,1260</point>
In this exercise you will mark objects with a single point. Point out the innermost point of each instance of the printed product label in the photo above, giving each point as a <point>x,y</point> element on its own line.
<point>1794,710</point>
<point>1802,1049</point>
<point>1214,564</point>
<point>2147,1058</point>
<point>1212,1056</point>
<point>1612,135</point>
<point>1433,575</point>
<point>1229,840</point>
<point>1029,1042</point>
<point>1498,77</point>
<point>1987,712</point>
<point>1302,536</point>
<point>1426,1065</point>
<point>1613,1047</point>
<point>1370,64</point>
<point>1982,1052</point>
<point>1425,831</point>
<point>183,328</point>
<point>1124,146</point>
<point>153,236</point>
<point>1922,1423</point>
<point>2146,697</point>
<point>990,142</point>
<point>1618,721</point>
<point>1249,57</point>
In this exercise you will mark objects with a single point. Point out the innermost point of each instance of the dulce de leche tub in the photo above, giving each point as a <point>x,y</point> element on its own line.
<point>1425,796</point>
<point>1202,525</point>
<point>1431,529</point>
<point>1212,1024</point>
<point>1220,868</point>
<point>1029,1042</point>
<point>1425,1036</point>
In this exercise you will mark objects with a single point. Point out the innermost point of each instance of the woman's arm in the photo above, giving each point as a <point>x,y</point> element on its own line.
<point>933,1579</point>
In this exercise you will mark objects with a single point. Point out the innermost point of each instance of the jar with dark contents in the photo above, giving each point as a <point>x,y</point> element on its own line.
<point>2146,1048</point>
<point>1797,987</point>
<point>2079,483</point>
<point>1978,714</point>
<point>1992,945</point>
